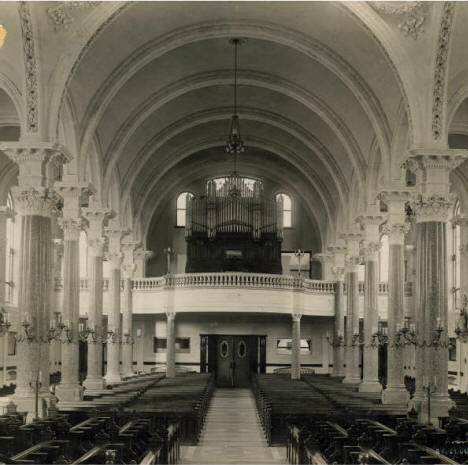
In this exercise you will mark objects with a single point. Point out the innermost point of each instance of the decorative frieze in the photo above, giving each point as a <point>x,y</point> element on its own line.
<point>432,207</point>
<point>396,232</point>
<point>30,67</point>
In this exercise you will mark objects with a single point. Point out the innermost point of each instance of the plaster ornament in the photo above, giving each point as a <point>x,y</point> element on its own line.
<point>412,15</point>
<point>59,14</point>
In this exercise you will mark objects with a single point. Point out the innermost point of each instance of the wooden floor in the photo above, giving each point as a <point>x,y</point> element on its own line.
<point>232,433</point>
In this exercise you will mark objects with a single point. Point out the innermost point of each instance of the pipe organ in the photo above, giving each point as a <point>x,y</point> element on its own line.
<point>234,227</point>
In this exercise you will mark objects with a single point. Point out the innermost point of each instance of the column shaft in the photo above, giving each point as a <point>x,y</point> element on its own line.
<point>127,330</point>
<point>94,379</point>
<point>338,348</point>
<point>370,382</point>
<point>352,372</point>
<point>113,343</point>
<point>69,387</point>
<point>296,347</point>
<point>170,346</point>
<point>396,392</point>
<point>33,304</point>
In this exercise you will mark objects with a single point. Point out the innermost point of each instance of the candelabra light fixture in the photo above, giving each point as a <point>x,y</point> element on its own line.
<point>429,388</point>
<point>379,336</point>
<point>127,338</point>
<point>299,253</point>
<point>113,336</point>
<point>4,322</point>
<point>355,339</point>
<point>339,340</point>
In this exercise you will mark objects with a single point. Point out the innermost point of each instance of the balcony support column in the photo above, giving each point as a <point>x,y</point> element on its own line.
<point>296,346</point>
<point>170,345</point>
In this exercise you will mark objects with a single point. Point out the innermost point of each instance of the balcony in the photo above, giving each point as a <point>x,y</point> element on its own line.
<point>233,292</point>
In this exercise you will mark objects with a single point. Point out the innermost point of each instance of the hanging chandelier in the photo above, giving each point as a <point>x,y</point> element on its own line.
<point>235,144</point>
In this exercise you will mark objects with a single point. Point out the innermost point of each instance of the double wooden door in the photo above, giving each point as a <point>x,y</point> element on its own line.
<point>234,360</point>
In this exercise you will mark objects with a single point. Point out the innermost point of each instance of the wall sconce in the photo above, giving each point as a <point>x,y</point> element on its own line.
<point>339,342</point>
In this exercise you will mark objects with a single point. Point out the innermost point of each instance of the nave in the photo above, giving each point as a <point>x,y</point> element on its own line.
<point>152,419</point>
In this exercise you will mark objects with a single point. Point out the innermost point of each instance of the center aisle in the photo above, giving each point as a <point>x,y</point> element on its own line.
<point>232,433</point>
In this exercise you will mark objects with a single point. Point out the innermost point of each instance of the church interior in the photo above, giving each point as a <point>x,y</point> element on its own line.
<point>233,232</point>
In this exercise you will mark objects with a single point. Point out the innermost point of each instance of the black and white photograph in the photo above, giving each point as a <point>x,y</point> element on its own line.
<point>233,232</point>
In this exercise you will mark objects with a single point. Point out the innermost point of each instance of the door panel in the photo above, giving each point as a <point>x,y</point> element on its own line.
<point>242,354</point>
<point>225,365</point>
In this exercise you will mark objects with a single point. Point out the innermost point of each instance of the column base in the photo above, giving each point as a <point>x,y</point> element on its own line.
<point>113,378</point>
<point>351,380</point>
<point>440,406</point>
<point>395,395</point>
<point>27,404</point>
<point>93,384</point>
<point>370,386</point>
<point>70,392</point>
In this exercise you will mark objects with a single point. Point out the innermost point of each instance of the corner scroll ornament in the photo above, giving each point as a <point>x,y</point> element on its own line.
<point>412,14</point>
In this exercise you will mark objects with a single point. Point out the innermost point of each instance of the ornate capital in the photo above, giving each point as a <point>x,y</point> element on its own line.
<point>296,317</point>
<point>170,315</point>
<point>351,263</point>
<point>31,160</point>
<point>460,221</point>
<point>370,250</point>
<point>35,201</point>
<point>396,232</point>
<point>145,255</point>
<point>338,273</point>
<point>432,207</point>
<point>71,228</point>
<point>96,246</point>
<point>129,270</point>
<point>115,259</point>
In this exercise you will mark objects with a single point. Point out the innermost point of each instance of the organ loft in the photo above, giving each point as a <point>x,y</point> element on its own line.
<point>234,232</point>
<point>234,227</point>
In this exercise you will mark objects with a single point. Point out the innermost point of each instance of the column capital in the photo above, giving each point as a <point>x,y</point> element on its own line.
<point>351,264</point>
<point>71,228</point>
<point>142,254</point>
<point>323,257</point>
<point>40,201</point>
<point>129,270</point>
<point>338,273</point>
<point>434,167</point>
<point>115,259</point>
<point>31,159</point>
<point>370,250</point>
<point>96,246</point>
<point>396,232</point>
<point>432,207</point>
<point>296,317</point>
<point>170,315</point>
<point>72,193</point>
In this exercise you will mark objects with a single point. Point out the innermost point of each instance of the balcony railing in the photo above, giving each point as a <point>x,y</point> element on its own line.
<point>232,279</point>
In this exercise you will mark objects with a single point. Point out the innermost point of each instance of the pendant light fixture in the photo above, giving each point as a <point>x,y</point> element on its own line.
<point>235,145</point>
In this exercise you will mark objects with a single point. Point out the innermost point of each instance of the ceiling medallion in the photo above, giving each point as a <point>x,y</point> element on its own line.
<point>412,13</point>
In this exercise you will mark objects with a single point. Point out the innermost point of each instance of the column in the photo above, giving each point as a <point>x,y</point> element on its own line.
<point>296,346</point>
<point>170,345</point>
<point>141,257</point>
<point>339,328</point>
<point>69,388</point>
<point>5,213</point>
<point>129,268</point>
<point>396,228</point>
<point>115,233</point>
<point>326,261</point>
<point>352,371</point>
<point>36,203</point>
<point>96,215</point>
<point>431,206</point>
<point>371,247</point>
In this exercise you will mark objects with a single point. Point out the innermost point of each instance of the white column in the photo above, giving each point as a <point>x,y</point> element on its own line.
<point>36,203</point>
<point>352,371</point>
<point>370,249</point>
<point>69,388</point>
<point>396,228</point>
<point>129,268</point>
<point>296,346</point>
<point>141,257</point>
<point>96,215</point>
<point>170,345</point>
<point>431,206</point>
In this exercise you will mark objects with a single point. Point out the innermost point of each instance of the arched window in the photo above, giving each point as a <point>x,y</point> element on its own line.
<point>287,209</point>
<point>181,207</point>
